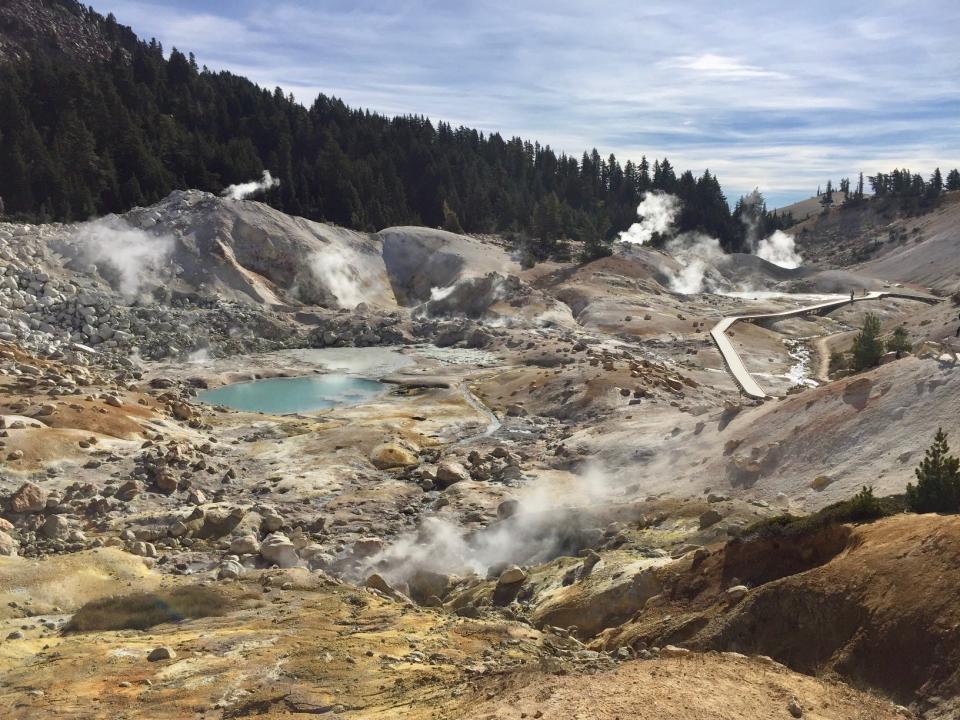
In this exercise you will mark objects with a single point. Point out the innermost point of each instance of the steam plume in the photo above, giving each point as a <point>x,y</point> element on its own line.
<point>657,212</point>
<point>695,252</point>
<point>242,191</point>
<point>337,270</point>
<point>780,249</point>
<point>124,254</point>
<point>545,527</point>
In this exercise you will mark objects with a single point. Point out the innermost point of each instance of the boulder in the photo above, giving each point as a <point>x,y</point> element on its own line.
<point>426,584</point>
<point>128,491</point>
<point>511,576</point>
<point>230,569</point>
<point>392,455</point>
<point>507,509</point>
<point>277,549</point>
<point>161,653</point>
<point>737,593</point>
<point>8,546</point>
<point>450,472</point>
<point>55,527</point>
<point>181,411</point>
<point>28,498</point>
<point>710,517</point>
<point>245,545</point>
<point>219,522</point>
<point>367,546</point>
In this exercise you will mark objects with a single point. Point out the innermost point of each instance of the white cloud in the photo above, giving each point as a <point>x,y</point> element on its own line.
<point>719,66</point>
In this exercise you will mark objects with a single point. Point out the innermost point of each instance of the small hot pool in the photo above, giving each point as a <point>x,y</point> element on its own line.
<point>281,396</point>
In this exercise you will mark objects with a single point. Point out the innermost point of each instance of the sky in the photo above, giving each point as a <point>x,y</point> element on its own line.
<point>775,95</point>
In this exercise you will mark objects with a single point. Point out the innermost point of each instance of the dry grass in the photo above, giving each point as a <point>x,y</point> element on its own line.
<point>139,611</point>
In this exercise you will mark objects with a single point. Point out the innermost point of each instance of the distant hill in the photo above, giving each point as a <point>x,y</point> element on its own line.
<point>802,209</point>
<point>883,238</point>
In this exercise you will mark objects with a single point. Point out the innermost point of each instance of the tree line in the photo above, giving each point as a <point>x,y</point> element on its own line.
<point>906,188</point>
<point>79,139</point>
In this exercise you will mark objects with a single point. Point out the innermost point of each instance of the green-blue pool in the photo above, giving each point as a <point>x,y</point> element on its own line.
<point>282,396</point>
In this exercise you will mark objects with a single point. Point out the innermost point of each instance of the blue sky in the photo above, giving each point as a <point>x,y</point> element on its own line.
<point>770,94</point>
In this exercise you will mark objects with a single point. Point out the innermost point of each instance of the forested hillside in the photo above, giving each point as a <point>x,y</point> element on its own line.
<point>101,132</point>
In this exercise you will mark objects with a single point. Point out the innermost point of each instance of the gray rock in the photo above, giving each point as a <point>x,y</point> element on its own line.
<point>245,545</point>
<point>8,546</point>
<point>230,570</point>
<point>161,653</point>
<point>277,549</point>
<point>55,527</point>
<point>511,576</point>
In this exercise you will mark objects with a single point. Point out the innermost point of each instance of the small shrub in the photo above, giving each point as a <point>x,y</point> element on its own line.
<point>139,611</point>
<point>838,361</point>
<point>862,507</point>
<point>899,342</point>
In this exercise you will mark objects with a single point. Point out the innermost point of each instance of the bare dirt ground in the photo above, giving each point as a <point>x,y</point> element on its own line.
<point>689,687</point>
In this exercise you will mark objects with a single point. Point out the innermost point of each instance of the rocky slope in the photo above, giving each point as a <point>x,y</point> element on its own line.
<point>56,26</point>
<point>548,492</point>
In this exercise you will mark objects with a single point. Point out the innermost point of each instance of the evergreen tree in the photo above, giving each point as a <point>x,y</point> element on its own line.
<point>867,345</point>
<point>953,180</point>
<point>935,187</point>
<point>938,480</point>
<point>899,342</point>
<point>827,198</point>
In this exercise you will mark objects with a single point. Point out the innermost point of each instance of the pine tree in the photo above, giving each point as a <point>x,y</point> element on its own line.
<point>867,345</point>
<point>899,342</point>
<point>953,180</point>
<point>938,480</point>
<point>827,198</point>
<point>936,182</point>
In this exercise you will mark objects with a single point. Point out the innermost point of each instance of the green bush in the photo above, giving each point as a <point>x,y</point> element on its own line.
<point>938,480</point>
<point>899,342</point>
<point>862,507</point>
<point>838,361</point>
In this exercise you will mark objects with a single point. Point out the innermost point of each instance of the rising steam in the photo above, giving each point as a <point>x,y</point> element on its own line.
<point>779,249</point>
<point>546,526</point>
<point>242,191</point>
<point>124,254</point>
<point>657,212</point>
<point>336,269</point>
<point>696,253</point>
